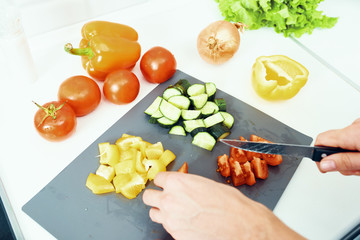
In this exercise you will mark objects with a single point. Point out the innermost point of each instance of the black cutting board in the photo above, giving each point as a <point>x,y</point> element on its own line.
<point>68,210</point>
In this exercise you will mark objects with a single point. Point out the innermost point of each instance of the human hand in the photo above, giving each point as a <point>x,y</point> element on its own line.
<point>347,163</point>
<point>194,207</point>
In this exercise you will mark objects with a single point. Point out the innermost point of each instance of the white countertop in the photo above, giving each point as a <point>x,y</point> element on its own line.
<point>318,206</point>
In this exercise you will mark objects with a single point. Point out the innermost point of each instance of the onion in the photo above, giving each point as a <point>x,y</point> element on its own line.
<point>219,41</point>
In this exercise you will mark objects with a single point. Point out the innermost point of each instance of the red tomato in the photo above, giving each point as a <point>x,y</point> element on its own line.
<point>55,121</point>
<point>223,165</point>
<point>271,159</point>
<point>237,175</point>
<point>260,167</point>
<point>158,65</point>
<point>121,86</point>
<point>81,93</point>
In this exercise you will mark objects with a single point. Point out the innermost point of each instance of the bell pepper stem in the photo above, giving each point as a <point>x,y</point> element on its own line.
<point>79,51</point>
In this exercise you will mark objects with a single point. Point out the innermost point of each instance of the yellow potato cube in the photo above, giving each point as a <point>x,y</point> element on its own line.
<point>98,184</point>
<point>127,166</point>
<point>127,141</point>
<point>109,154</point>
<point>167,157</point>
<point>106,172</point>
<point>154,151</point>
<point>127,154</point>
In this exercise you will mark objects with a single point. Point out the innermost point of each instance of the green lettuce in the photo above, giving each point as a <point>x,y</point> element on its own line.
<point>289,17</point>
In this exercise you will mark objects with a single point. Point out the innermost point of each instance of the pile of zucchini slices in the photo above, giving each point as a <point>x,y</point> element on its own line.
<point>192,108</point>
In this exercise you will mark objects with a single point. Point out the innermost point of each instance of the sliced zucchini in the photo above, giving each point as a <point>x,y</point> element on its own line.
<point>209,108</point>
<point>154,106</point>
<point>204,140</point>
<point>169,111</point>
<point>221,103</point>
<point>210,89</point>
<point>192,124</point>
<point>199,100</point>
<point>196,89</point>
<point>153,119</point>
<point>190,114</point>
<point>219,131</point>
<point>213,119</point>
<point>165,122</point>
<point>177,130</point>
<point>228,119</point>
<point>171,91</point>
<point>181,101</point>
<point>183,85</point>
<point>197,130</point>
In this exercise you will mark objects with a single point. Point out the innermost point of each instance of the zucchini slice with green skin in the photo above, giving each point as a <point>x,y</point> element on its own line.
<point>190,114</point>
<point>183,85</point>
<point>192,124</point>
<point>196,89</point>
<point>171,91</point>
<point>181,101</point>
<point>210,89</point>
<point>213,119</point>
<point>177,130</point>
<point>204,140</point>
<point>153,119</point>
<point>209,108</point>
<point>221,103</point>
<point>228,119</point>
<point>199,101</point>
<point>197,130</point>
<point>154,106</point>
<point>219,131</point>
<point>169,111</point>
<point>165,122</point>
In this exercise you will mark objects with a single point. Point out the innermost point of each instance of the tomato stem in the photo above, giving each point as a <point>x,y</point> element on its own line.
<point>50,111</point>
<point>79,51</point>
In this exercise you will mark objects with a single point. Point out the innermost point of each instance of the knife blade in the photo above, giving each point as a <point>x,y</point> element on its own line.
<point>315,153</point>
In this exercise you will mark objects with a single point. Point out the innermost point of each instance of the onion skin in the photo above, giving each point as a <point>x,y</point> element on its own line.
<point>218,42</point>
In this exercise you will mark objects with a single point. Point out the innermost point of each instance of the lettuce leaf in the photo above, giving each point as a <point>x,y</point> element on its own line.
<point>289,17</point>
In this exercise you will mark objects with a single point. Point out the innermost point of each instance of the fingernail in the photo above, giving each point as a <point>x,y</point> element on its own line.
<point>327,165</point>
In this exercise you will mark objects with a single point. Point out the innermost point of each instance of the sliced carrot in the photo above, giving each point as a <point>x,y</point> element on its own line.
<point>260,167</point>
<point>250,176</point>
<point>183,168</point>
<point>237,175</point>
<point>223,165</point>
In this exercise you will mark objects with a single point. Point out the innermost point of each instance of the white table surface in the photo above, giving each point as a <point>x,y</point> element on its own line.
<point>318,206</point>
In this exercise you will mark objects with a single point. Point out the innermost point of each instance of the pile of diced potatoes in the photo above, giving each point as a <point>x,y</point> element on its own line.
<point>126,166</point>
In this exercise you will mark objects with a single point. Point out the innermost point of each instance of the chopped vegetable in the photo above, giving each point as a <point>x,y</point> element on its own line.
<point>287,17</point>
<point>127,165</point>
<point>223,165</point>
<point>183,168</point>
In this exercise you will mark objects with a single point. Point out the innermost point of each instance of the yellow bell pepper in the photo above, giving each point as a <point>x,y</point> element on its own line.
<point>278,77</point>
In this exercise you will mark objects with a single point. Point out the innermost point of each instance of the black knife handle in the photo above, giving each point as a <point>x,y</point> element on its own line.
<point>320,152</point>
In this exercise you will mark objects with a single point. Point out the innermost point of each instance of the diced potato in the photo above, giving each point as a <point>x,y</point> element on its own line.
<point>127,166</point>
<point>167,157</point>
<point>139,163</point>
<point>127,141</point>
<point>98,184</point>
<point>120,180</point>
<point>154,167</point>
<point>106,172</point>
<point>143,146</point>
<point>109,154</point>
<point>132,188</point>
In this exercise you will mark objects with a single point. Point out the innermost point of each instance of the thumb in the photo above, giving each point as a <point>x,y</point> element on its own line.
<point>346,163</point>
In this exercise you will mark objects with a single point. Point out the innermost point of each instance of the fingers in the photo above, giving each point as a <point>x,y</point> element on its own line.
<point>155,215</point>
<point>152,197</point>
<point>346,163</point>
<point>328,138</point>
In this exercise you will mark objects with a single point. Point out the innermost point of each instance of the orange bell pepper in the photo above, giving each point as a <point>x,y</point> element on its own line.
<point>105,47</point>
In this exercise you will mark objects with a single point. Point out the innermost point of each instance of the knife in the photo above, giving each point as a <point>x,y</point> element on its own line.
<point>315,153</point>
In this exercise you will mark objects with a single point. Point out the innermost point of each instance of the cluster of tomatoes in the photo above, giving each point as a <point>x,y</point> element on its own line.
<point>80,95</point>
